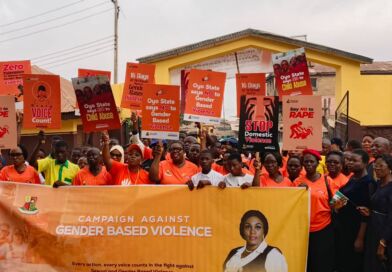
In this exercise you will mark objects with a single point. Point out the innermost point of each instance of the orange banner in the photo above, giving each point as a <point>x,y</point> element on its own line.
<point>249,84</point>
<point>90,72</point>
<point>292,73</point>
<point>42,103</point>
<point>148,228</point>
<point>8,134</point>
<point>11,82</point>
<point>161,111</point>
<point>302,122</point>
<point>204,96</point>
<point>137,74</point>
<point>96,103</point>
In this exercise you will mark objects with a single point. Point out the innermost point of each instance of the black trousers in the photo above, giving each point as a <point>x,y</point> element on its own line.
<point>321,251</point>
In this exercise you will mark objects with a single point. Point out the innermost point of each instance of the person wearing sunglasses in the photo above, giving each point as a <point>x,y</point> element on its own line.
<point>19,171</point>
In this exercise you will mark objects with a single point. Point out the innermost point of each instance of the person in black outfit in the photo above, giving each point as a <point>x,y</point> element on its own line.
<point>350,225</point>
<point>378,255</point>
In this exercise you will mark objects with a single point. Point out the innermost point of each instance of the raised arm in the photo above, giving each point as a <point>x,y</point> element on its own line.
<point>105,151</point>
<point>154,169</point>
<point>41,140</point>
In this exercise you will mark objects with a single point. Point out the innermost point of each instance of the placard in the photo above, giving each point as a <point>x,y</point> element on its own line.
<point>96,103</point>
<point>161,112</point>
<point>204,96</point>
<point>11,82</point>
<point>249,84</point>
<point>259,123</point>
<point>292,73</point>
<point>8,132</point>
<point>42,101</point>
<point>302,122</point>
<point>90,72</point>
<point>137,74</point>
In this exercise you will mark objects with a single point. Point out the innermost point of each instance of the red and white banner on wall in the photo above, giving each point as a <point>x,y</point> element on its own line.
<point>204,96</point>
<point>291,73</point>
<point>8,134</point>
<point>302,122</point>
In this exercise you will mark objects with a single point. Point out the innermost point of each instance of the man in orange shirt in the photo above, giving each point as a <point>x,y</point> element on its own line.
<point>94,173</point>
<point>176,171</point>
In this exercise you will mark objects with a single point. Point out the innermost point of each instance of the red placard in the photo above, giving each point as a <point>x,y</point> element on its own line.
<point>90,72</point>
<point>8,134</point>
<point>249,84</point>
<point>96,103</point>
<point>11,82</point>
<point>302,124</point>
<point>42,101</point>
<point>204,96</point>
<point>291,73</point>
<point>161,112</point>
<point>137,74</point>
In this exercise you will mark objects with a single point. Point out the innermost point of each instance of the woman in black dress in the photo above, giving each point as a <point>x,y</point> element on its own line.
<point>350,225</point>
<point>378,256</point>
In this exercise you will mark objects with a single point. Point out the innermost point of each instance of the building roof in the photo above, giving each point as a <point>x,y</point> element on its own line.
<point>251,33</point>
<point>68,98</point>
<point>375,68</point>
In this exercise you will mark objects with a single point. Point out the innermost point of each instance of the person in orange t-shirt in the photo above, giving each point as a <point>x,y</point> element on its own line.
<point>125,174</point>
<point>321,250</point>
<point>271,161</point>
<point>294,168</point>
<point>224,169</point>
<point>94,173</point>
<point>19,171</point>
<point>176,171</point>
<point>334,162</point>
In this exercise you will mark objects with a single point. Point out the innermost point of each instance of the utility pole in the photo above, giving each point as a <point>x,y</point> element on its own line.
<point>115,65</point>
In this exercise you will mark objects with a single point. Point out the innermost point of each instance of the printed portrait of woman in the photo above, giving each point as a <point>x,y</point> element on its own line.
<point>256,255</point>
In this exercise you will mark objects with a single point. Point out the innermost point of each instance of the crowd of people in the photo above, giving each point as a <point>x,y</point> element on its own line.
<point>349,234</point>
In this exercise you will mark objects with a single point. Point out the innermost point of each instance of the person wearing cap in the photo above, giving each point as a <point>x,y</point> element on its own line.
<point>321,239</point>
<point>174,171</point>
<point>125,174</point>
<point>93,173</point>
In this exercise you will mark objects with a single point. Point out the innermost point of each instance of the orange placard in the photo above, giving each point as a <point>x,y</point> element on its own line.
<point>42,103</point>
<point>96,103</point>
<point>11,82</point>
<point>90,72</point>
<point>292,73</point>
<point>137,74</point>
<point>148,228</point>
<point>302,124</point>
<point>161,111</point>
<point>204,96</point>
<point>249,84</point>
<point>8,133</point>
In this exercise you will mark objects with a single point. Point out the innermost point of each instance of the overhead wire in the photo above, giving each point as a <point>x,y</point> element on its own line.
<point>85,57</point>
<point>80,49</point>
<point>54,27</point>
<point>77,46</point>
<point>77,55</point>
<point>53,19</point>
<point>43,13</point>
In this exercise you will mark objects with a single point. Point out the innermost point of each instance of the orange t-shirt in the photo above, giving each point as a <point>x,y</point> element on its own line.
<point>169,173</point>
<point>221,170</point>
<point>122,176</point>
<point>338,182</point>
<point>85,177</point>
<point>266,181</point>
<point>320,212</point>
<point>30,175</point>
